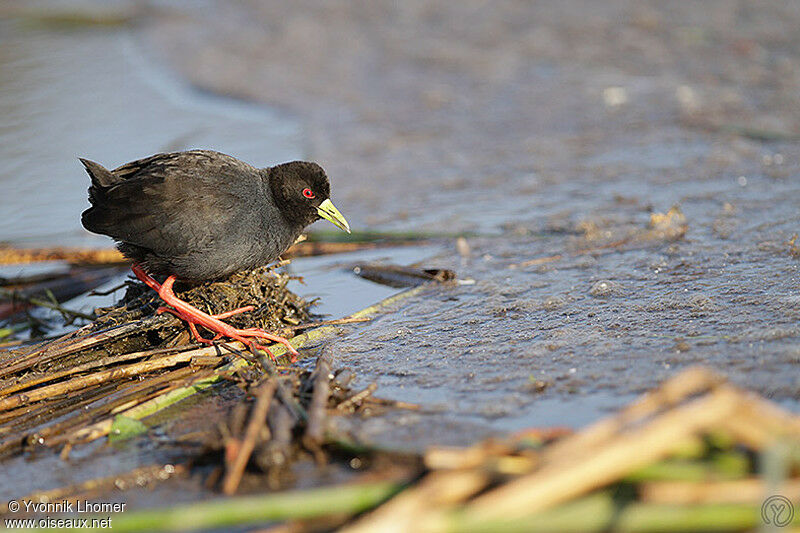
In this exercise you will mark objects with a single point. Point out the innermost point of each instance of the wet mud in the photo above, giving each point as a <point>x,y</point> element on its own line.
<point>562,133</point>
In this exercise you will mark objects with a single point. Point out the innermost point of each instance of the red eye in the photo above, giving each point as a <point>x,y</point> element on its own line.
<point>308,193</point>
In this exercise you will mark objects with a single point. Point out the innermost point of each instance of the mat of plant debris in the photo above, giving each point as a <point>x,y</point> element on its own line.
<point>69,389</point>
<point>275,307</point>
<point>695,454</point>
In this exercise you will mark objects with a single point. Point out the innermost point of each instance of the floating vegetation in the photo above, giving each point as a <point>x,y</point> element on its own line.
<point>694,454</point>
<point>70,389</point>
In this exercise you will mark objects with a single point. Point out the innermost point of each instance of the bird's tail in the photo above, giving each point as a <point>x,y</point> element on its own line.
<point>101,176</point>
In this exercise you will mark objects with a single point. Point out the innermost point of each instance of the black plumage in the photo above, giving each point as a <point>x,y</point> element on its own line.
<point>202,215</point>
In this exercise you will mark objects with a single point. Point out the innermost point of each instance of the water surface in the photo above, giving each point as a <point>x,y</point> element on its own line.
<point>89,92</point>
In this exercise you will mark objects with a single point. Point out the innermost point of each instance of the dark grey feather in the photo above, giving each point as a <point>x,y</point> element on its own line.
<point>198,214</point>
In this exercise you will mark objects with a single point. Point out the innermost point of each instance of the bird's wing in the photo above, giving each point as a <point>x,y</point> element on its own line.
<point>166,163</point>
<point>172,203</point>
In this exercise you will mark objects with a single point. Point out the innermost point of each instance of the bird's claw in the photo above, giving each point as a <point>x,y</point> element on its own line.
<point>194,317</point>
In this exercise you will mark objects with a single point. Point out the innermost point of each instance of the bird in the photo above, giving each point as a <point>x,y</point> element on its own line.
<point>201,215</point>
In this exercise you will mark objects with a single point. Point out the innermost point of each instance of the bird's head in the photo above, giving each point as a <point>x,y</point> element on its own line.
<point>302,192</point>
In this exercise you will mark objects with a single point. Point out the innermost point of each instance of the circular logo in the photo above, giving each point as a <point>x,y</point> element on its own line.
<point>777,510</point>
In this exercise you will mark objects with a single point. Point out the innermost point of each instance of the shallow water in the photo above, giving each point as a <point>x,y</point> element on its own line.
<point>455,117</point>
<point>502,130</point>
<point>327,280</point>
<point>89,92</point>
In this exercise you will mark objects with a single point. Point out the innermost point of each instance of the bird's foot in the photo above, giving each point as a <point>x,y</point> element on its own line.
<point>231,332</point>
<point>237,311</point>
<point>196,317</point>
<point>226,314</point>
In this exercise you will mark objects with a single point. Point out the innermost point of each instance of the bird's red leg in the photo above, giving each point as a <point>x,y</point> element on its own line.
<point>218,336</point>
<point>196,334</point>
<point>148,280</point>
<point>226,314</point>
<point>145,278</point>
<point>195,316</point>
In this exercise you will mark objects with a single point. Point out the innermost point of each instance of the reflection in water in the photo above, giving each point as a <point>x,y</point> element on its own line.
<point>88,92</point>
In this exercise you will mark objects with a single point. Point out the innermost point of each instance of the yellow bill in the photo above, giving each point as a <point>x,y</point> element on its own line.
<point>329,212</point>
